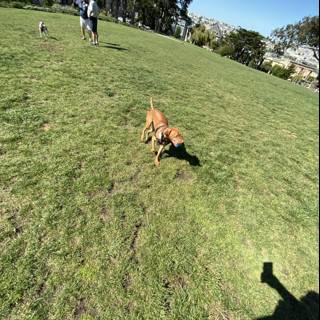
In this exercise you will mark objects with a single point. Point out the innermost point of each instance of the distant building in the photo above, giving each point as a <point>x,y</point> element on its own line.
<point>304,70</point>
<point>221,29</point>
<point>185,24</point>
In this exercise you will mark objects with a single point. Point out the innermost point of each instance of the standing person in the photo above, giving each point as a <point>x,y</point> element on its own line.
<point>93,13</point>
<point>84,19</point>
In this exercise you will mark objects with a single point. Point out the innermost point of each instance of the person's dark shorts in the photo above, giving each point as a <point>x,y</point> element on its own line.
<point>94,24</point>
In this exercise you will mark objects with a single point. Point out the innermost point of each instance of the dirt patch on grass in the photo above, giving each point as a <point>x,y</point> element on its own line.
<point>123,216</point>
<point>104,214</point>
<point>16,227</point>
<point>92,194</point>
<point>217,312</point>
<point>2,151</point>
<point>167,296</point>
<point>179,282</point>
<point>41,289</point>
<point>50,47</point>
<point>134,176</point>
<point>126,282</point>
<point>80,308</point>
<point>46,126</point>
<point>135,235</point>
<point>182,175</point>
<point>228,290</point>
<point>111,190</point>
<point>171,285</point>
<point>133,244</point>
<point>129,308</point>
<point>114,188</point>
<point>288,134</point>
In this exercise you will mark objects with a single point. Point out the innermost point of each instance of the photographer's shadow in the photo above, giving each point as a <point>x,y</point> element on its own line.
<point>289,307</point>
<point>181,153</point>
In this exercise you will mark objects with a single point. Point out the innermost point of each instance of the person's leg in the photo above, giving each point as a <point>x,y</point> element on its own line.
<point>97,35</point>
<point>94,38</point>
<point>83,34</point>
<point>89,29</point>
<point>94,29</point>
<point>82,27</point>
<point>90,35</point>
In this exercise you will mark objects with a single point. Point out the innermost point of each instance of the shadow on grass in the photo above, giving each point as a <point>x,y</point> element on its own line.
<point>53,38</point>
<point>114,46</point>
<point>289,307</point>
<point>110,44</point>
<point>181,153</point>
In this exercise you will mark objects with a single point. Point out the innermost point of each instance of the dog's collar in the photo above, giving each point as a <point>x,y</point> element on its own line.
<point>157,133</point>
<point>163,141</point>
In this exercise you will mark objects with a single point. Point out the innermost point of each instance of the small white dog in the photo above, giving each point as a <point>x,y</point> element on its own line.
<point>43,30</point>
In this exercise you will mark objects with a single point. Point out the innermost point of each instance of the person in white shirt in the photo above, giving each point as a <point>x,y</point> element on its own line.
<point>84,19</point>
<point>93,13</point>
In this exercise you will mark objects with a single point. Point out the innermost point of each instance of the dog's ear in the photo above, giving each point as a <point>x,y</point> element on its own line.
<point>167,132</point>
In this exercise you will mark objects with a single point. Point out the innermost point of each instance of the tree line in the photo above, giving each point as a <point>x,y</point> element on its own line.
<point>249,47</point>
<point>159,15</point>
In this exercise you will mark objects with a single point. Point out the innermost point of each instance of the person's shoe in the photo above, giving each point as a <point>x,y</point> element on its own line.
<point>83,38</point>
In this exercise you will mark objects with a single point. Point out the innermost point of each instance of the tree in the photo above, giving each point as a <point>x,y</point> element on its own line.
<point>159,15</point>
<point>283,73</point>
<point>177,33</point>
<point>48,3</point>
<point>246,47</point>
<point>225,50</point>
<point>304,32</point>
<point>266,67</point>
<point>200,36</point>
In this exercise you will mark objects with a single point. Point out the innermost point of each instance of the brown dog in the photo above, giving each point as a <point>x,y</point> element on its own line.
<point>157,124</point>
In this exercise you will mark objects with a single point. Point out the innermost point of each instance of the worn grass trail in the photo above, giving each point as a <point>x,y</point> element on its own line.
<point>90,229</point>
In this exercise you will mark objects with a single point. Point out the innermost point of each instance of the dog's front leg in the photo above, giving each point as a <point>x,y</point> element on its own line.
<point>157,159</point>
<point>153,143</point>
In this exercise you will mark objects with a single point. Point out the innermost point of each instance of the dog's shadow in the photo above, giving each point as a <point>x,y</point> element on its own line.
<point>181,153</point>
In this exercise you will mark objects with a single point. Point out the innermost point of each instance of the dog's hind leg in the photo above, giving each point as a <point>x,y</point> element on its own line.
<point>143,134</point>
<point>148,127</point>
<point>147,133</point>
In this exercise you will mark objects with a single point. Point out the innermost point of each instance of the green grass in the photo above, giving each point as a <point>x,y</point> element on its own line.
<point>91,229</point>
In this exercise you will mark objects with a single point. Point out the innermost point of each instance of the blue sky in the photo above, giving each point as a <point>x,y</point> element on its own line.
<point>261,16</point>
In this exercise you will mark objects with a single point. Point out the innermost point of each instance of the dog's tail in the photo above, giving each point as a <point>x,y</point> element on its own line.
<point>151,103</point>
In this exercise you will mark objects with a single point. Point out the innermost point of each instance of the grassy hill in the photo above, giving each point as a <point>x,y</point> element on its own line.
<point>91,229</point>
